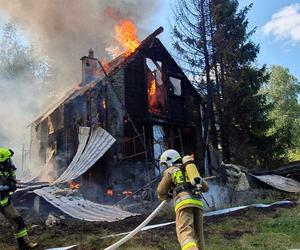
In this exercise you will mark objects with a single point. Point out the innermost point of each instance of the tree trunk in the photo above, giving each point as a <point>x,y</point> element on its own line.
<point>210,109</point>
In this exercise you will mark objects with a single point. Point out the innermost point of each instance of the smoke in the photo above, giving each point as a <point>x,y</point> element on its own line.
<point>57,33</point>
<point>64,30</point>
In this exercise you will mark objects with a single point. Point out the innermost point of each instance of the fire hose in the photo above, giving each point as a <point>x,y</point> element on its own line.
<point>137,229</point>
<point>3,188</point>
<point>143,224</point>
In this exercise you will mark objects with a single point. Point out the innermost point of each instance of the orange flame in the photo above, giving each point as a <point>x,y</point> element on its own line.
<point>73,185</point>
<point>109,192</point>
<point>127,193</point>
<point>152,93</point>
<point>126,35</point>
<point>105,64</point>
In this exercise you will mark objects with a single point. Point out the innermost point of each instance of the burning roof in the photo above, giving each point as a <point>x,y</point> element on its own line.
<point>110,68</point>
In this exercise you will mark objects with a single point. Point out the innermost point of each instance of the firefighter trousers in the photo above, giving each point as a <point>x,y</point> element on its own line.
<point>14,218</point>
<point>189,228</point>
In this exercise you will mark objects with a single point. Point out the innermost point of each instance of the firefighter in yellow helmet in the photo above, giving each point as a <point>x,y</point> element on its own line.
<point>183,182</point>
<point>8,185</point>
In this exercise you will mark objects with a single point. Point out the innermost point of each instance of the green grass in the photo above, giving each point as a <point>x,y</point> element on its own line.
<point>258,231</point>
<point>250,230</point>
<point>294,155</point>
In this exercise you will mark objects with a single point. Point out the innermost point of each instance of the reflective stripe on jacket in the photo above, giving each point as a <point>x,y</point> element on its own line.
<point>4,201</point>
<point>172,178</point>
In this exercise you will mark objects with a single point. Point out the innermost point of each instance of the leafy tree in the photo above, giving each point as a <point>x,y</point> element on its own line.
<point>283,90</point>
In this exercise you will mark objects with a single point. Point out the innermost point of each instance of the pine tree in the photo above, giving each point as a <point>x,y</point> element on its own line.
<point>193,43</point>
<point>227,55</point>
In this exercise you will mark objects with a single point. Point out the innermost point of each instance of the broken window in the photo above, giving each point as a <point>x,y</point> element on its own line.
<point>157,94</point>
<point>160,143</point>
<point>176,85</point>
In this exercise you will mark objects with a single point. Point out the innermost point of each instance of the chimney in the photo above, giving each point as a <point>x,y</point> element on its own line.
<point>89,68</point>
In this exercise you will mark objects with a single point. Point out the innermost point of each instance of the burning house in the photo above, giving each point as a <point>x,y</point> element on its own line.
<point>142,99</point>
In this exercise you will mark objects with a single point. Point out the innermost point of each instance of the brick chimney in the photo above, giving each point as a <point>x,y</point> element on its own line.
<point>89,68</point>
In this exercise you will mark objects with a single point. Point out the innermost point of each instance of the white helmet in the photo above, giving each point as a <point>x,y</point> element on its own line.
<point>169,157</point>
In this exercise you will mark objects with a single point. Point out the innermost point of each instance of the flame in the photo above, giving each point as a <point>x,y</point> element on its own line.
<point>127,193</point>
<point>109,192</point>
<point>152,93</point>
<point>104,103</point>
<point>105,64</point>
<point>73,185</point>
<point>126,35</point>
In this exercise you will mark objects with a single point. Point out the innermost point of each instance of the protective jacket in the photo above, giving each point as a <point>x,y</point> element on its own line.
<point>188,206</point>
<point>175,180</point>
<point>8,185</point>
<point>7,181</point>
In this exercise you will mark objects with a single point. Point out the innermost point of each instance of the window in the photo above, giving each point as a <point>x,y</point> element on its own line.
<point>157,94</point>
<point>176,84</point>
<point>160,144</point>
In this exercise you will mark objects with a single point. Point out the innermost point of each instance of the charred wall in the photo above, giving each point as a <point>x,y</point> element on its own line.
<point>126,164</point>
<point>182,121</point>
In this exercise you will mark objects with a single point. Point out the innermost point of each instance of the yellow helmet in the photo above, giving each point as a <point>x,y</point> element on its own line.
<point>5,154</point>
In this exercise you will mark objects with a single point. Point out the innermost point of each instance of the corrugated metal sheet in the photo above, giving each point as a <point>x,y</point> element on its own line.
<point>83,136</point>
<point>279,182</point>
<point>77,207</point>
<point>99,142</point>
<point>46,175</point>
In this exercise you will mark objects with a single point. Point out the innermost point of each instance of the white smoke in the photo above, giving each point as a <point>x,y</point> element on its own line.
<point>56,34</point>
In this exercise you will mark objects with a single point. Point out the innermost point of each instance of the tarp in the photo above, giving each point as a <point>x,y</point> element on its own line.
<point>99,142</point>
<point>77,207</point>
<point>280,182</point>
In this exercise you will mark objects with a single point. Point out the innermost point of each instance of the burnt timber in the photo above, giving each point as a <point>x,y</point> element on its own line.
<point>147,85</point>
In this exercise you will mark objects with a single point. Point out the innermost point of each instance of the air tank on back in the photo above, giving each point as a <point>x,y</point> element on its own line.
<point>191,170</point>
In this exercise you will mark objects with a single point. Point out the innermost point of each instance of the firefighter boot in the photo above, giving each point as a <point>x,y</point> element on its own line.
<point>24,243</point>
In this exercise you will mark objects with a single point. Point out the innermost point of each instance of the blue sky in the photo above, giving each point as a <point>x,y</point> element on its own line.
<point>279,40</point>
<point>278,30</point>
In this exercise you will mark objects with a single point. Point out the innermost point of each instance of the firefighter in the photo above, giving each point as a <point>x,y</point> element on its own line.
<point>182,182</point>
<point>8,185</point>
